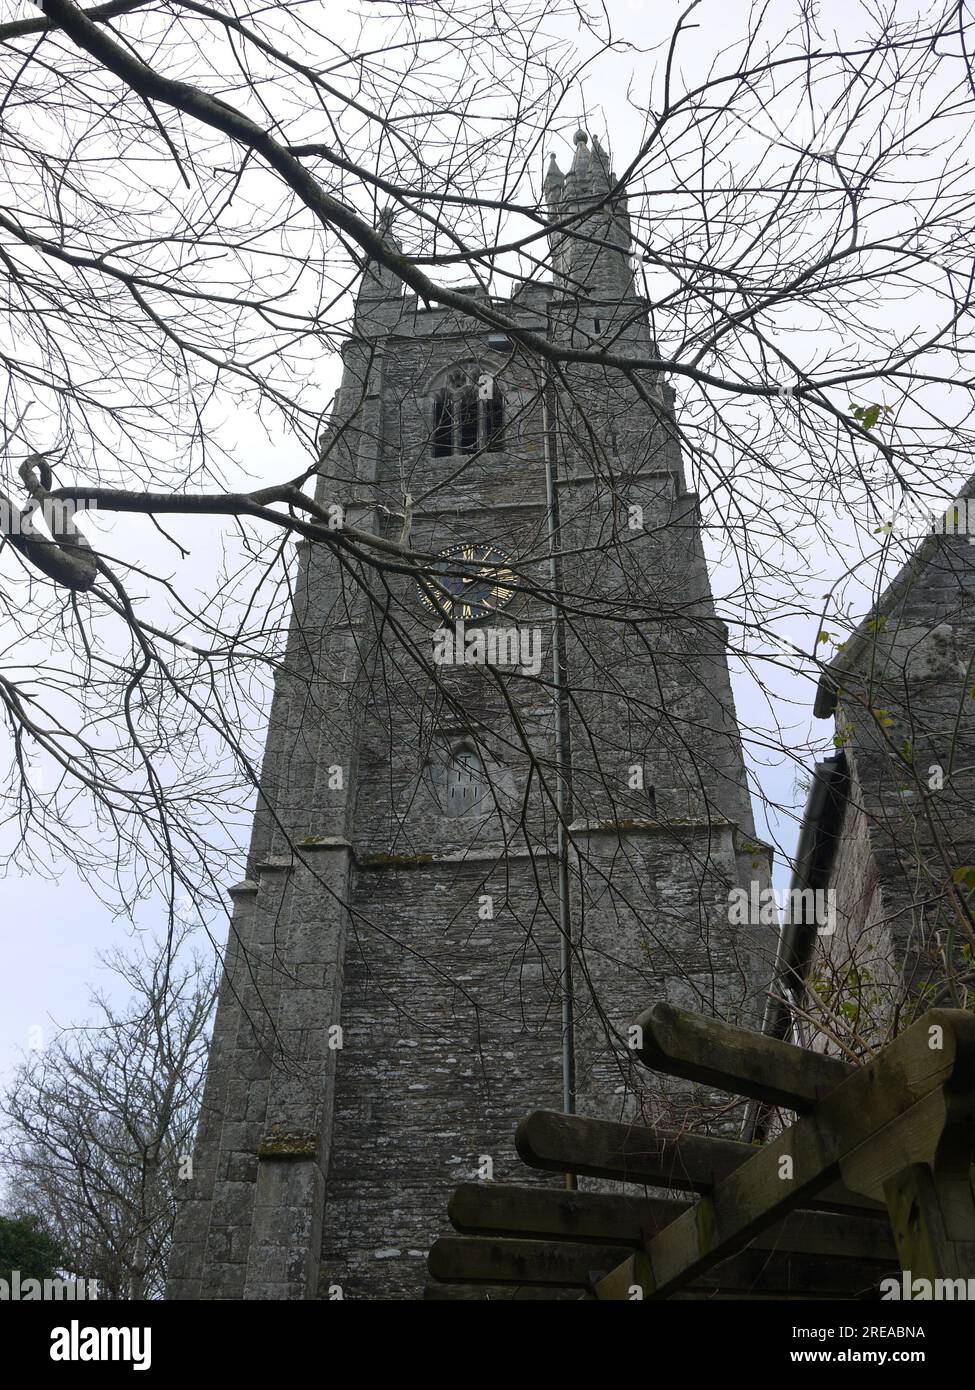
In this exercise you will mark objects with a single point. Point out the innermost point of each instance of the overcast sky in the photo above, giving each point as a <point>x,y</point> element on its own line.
<point>52,928</point>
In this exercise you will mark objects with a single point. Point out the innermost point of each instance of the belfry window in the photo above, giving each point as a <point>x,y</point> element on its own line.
<point>443,425</point>
<point>468,415</point>
<point>494,422</point>
<point>468,421</point>
<point>465,784</point>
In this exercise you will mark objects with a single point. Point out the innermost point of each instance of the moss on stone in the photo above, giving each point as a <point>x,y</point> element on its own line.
<point>297,1144</point>
<point>392,860</point>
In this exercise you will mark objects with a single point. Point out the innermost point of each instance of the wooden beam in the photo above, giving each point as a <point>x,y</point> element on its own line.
<point>483,1259</point>
<point>753,1273</point>
<point>860,1238</point>
<point>702,1049</point>
<point>558,1143</point>
<point>500,1293</point>
<point>473,1260</point>
<point>933,1218</point>
<point>720,1296</point>
<point>792,1275</point>
<point>896,1111</point>
<point>607,1218</point>
<point>619,1284</point>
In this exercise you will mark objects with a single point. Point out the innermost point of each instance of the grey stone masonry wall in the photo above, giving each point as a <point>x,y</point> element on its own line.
<point>392,1001</point>
<point>904,700</point>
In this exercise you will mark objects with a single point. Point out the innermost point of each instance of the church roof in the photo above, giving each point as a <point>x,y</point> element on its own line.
<point>865,633</point>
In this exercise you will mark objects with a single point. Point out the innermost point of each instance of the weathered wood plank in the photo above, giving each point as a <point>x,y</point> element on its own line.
<point>607,1218</point>
<point>932,1214</point>
<point>473,1260</point>
<point>555,1142</point>
<point>619,1284</point>
<point>690,1296</point>
<point>483,1259</point>
<point>885,1116</point>
<point>793,1275</point>
<point>697,1048</point>
<point>500,1293</point>
<point>558,1143</point>
<point>859,1238</point>
<point>752,1273</point>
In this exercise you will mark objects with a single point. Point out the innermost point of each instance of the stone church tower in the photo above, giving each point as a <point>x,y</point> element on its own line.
<point>439,845</point>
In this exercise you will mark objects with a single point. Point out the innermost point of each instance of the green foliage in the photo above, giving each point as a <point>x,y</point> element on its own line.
<point>844,993</point>
<point>868,415</point>
<point>25,1245</point>
<point>964,876</point>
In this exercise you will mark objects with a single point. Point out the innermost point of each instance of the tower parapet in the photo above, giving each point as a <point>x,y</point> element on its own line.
<point>591,242</point>
<point>379,298</point>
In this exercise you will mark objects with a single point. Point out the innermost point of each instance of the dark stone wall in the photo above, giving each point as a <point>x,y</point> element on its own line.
<point>906,719</point>
<point>323,1168</point>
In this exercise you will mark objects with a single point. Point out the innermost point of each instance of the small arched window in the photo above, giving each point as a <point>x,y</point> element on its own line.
<point>465,783</point>
<point>468,415</point>
<point>458,782</point>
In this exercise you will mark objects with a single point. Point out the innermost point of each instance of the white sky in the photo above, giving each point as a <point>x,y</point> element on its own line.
<point>52,928</point>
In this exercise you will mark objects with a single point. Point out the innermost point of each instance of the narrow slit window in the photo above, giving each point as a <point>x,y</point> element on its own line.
<point>443,425</point>
<point>494,423</point>
<point>468,422</point>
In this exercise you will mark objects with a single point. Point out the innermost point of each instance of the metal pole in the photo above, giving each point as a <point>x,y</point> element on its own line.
<point>563,788</point>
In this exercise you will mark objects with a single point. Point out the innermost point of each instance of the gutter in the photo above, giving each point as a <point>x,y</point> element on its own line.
<point>818,842</point>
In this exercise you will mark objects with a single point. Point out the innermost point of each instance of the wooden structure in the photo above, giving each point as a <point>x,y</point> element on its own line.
<point>873,1176</point>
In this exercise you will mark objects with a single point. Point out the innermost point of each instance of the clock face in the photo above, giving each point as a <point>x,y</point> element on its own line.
<point>469,582</point>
